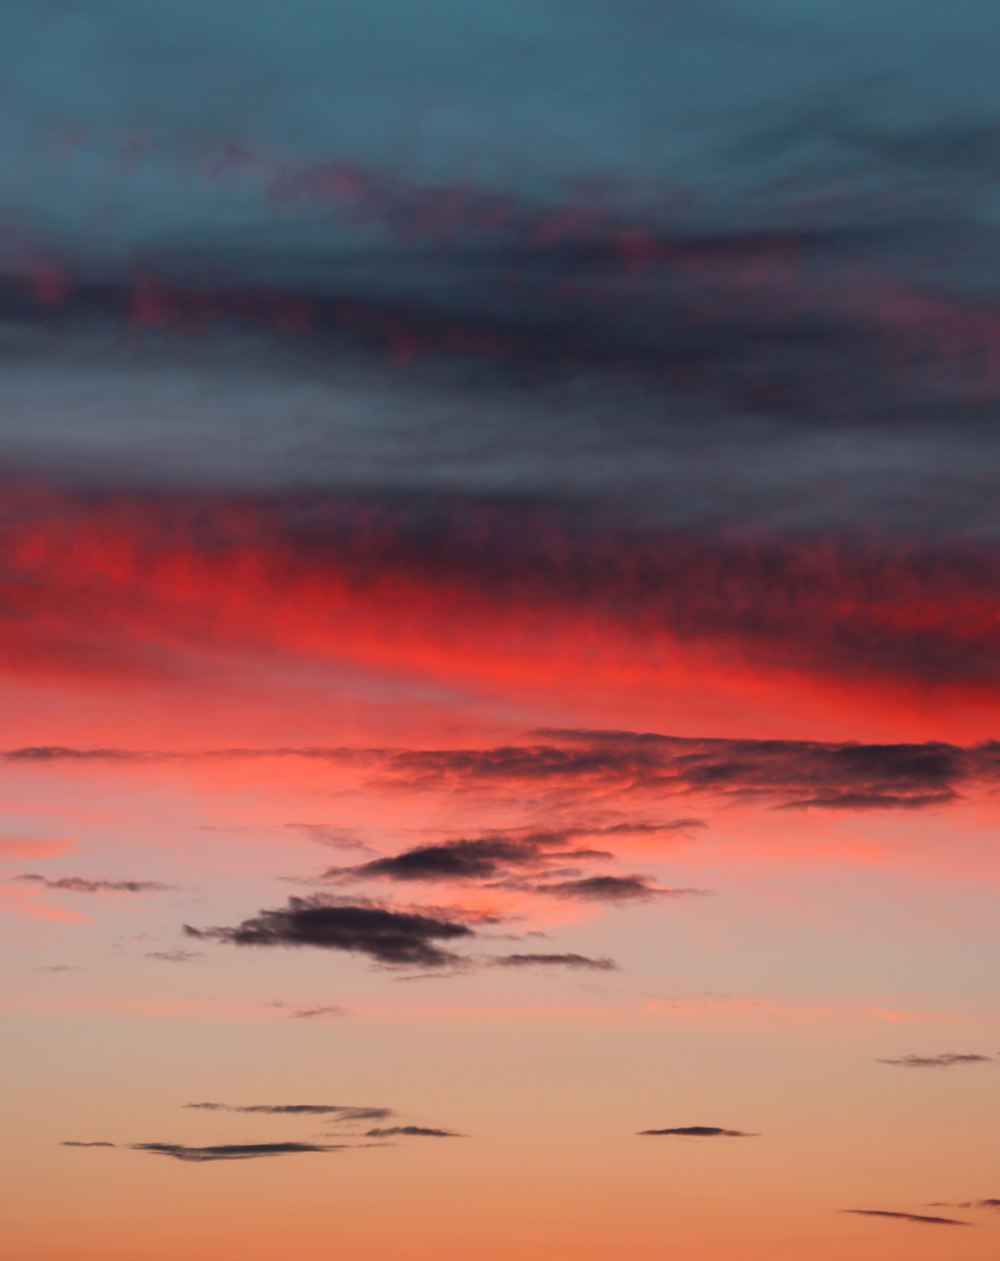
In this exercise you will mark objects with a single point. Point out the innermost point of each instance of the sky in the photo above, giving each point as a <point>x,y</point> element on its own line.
<point>499,630</point>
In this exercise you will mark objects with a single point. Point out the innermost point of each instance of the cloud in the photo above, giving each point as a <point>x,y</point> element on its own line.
<point>786,774</point>
<point>614,889</point>
<point>453,860</point>
<point>391,938</point>
<point>919,1218</point>
<point>554,960</point>
<point>993,1203</point>
<point>76,884</point>
<point>175,956</point>
<point>698,1131</point>
<point>317,1012</point>
<point>413,1131</point>
<point>948,1060</point>
<point>341,1112</point>
<point>74,1144</point>
<point>229,1151</point>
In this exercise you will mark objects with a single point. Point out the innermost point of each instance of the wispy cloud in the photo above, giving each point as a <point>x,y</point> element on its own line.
<point>787,774</point>
<point>342,1112</point>
<point>697,1131</point>
<point>230,1151</point>
<point>584,962</point>
<point>411,1131</point>
<point>76,884</point>
<point>614,889</point>
<point>950,1059</point>
<point>918,1218</point>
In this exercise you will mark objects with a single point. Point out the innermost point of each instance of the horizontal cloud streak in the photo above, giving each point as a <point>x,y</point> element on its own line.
<point>77,884</point>
<point>918,1218</point>
<point>950,1059</point>
<point>554,961</point>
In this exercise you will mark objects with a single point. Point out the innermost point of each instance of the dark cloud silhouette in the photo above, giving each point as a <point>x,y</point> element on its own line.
<point>454,860</point>
<point>993,1203</point>
<point>919,1218</point>
<point>340,1112</point>
<point>949,1059</point>
<point>698,1131</point>
<point>230,1151</point>
<point>614,889</point>
<point>74,1144</point>
<point>490,856</point>
<point>391,938</point>
<point>76,884</point>
<point>554,960</point>
<point>412,1131</point>
<point>789,774</point>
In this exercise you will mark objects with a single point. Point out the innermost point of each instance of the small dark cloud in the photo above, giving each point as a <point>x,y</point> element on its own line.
<point>76,884</point>
<point>454,860</point>
<point>62,753</point>
<point>229,1151</point>
<point>614,889</point>
<point>554,961</point>
<point>906,1217</point>
<point>340,1112</point>
<point>949,1060</point>
<point>310,1013</point>
<point>74,1144</point>
<point>411,1131</point>
<point>175,956</point>
<point>698,1131</point>
<point>989,1204</point>
<point>392,938</point>
<point>492,856</point>
<point>871,801</point>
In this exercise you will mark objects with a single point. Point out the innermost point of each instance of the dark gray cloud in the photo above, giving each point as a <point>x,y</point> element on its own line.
<point>784,773</point>
<point>76,884</point>
<point>452,860</point>
<point>411,1131</point>
<point>341,1112</point>
<point>698,1131</point>
<point>790,774</point>
<point>392,938</point>
<point>992,1203</point>
<point>919,1218</point>
<point>554,961</point>
<point>99,1144</point>
<point>490,856</point>
<point>950,1059</point>
<point>614,889</point>
<point>230,1151</point>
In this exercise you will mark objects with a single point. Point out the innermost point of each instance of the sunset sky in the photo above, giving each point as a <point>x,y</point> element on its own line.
<point>499,630</point>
